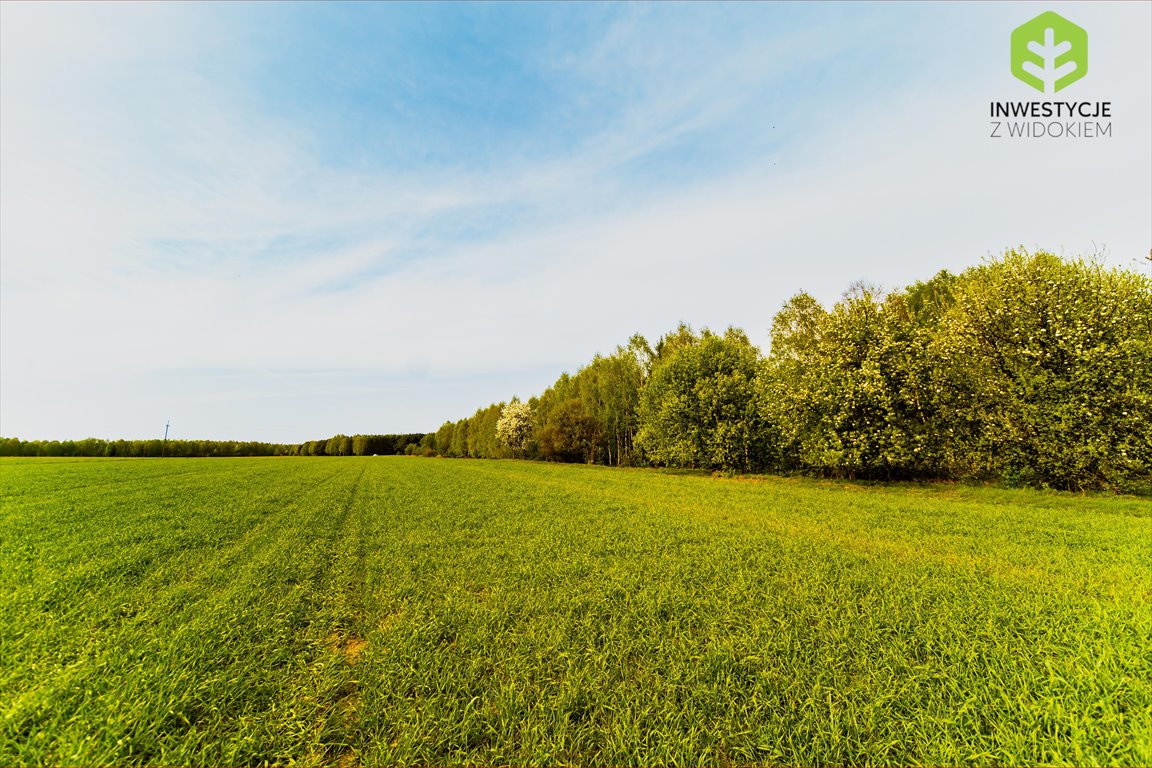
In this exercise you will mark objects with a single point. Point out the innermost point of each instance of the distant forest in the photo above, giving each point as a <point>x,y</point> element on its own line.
<point>338,445</point>
<point>1030,369</point>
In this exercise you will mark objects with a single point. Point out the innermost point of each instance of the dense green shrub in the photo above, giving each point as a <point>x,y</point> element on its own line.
<point>1045,373</point>
<point>699,407</point>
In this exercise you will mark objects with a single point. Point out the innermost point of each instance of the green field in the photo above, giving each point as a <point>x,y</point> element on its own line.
<point>403,610</point>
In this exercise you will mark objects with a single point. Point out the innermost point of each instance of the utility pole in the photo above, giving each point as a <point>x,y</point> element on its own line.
<point>164,448</point>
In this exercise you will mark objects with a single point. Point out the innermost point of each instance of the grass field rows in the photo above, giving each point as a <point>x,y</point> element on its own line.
<point>396,610</point>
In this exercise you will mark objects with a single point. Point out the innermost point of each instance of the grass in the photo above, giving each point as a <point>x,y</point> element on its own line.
<point>396,610</point>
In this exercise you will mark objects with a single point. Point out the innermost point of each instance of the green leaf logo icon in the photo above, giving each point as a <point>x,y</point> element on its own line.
<point>1049,52</point>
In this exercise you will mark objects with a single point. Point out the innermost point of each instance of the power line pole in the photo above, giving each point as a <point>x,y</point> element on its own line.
<point>164,448</point>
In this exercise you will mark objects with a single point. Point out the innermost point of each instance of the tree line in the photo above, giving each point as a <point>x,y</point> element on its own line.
<point>1030,369</point>
<point>337,445</point>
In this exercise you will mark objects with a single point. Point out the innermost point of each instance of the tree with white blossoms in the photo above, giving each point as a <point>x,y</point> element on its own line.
<point>514,428</point>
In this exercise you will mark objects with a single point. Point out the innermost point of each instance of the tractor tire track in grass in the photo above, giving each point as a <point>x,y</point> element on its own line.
<point>191,617</point>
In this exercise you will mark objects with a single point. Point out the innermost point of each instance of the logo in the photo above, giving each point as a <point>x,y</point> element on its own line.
<point>1049,52</point>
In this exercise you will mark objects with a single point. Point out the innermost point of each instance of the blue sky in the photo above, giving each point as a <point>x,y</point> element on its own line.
<point>280,222</point>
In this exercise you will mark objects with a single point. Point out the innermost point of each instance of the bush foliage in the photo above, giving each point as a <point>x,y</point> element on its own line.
<point>1030,369</point>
